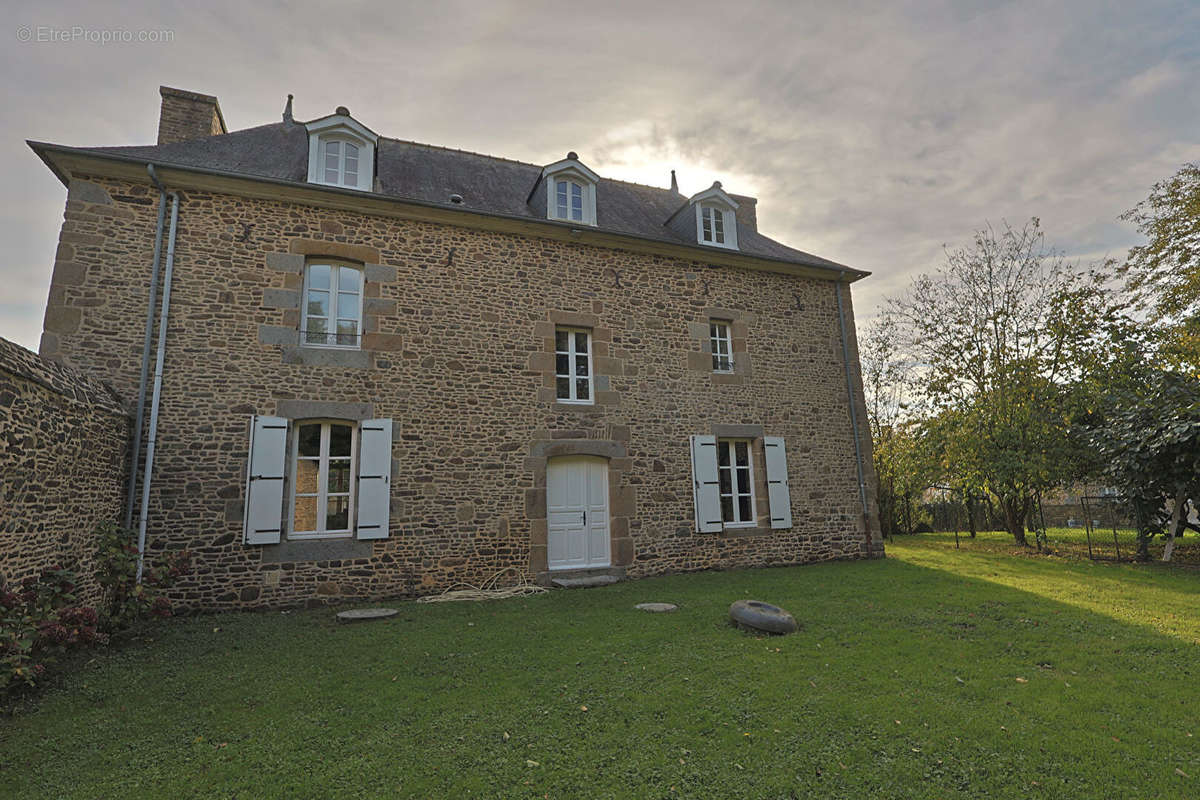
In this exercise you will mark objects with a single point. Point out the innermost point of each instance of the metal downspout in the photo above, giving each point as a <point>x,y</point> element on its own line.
<point>862,485</point>
<point>135,451</point>
<point>157,395</point>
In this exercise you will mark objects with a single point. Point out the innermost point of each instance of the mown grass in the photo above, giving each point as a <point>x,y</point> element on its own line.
<point>1104,545</point>
<point>933,673</point>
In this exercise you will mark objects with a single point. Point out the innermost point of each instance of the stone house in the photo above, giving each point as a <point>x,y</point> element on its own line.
<point>368,367</point>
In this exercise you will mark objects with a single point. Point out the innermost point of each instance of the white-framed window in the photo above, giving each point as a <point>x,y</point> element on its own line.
<point>722,345</point>
<point>735,477</point>
<point>323,478</point>
<point>573,365</point>
<point>712,225</point>
<point>568,200</point>
<point>340,162</point>
<point>716,225</point>
<point>331,314</point>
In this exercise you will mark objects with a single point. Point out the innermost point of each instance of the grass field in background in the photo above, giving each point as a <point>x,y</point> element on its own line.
<point>1073,543</point>
<point>936,673</point>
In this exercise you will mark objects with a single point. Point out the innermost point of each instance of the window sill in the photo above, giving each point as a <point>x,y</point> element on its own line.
<point>314,536</point>
<point>743,531</point>
<point>575,402</point>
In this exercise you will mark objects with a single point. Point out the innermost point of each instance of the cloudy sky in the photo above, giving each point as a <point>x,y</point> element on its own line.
<point>872,133</point>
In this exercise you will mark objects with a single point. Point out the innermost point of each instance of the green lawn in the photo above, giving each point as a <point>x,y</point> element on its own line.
<point>933,673</point>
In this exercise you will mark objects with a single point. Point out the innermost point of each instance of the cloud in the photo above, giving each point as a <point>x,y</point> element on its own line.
<point>872,133</point>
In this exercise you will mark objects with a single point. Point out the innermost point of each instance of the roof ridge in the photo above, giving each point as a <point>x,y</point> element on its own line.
<point>512,161</point>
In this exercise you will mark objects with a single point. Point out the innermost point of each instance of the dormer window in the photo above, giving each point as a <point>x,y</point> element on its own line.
<point>341,152</point>
<point>341,162</point>
<point>570,189</point>
<point>568,200</point>
<point>712,225</point>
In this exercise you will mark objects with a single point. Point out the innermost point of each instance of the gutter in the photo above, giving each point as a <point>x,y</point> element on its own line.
<point>152,433</point>
<point>136,449</point>
<point>841,271</point>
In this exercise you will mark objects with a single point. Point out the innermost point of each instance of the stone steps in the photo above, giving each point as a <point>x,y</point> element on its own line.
<point>581,578</point>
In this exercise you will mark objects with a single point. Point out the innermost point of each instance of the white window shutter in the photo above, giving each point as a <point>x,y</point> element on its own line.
<point>264,480</point>
<point>778,493</point>
<point>374,478</point>
<point>706,491</point>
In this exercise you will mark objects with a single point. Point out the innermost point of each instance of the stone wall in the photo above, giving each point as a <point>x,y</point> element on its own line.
<point>63,443</point>
<point>457,346</point>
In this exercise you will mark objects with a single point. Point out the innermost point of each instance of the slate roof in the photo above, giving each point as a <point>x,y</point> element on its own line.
<point>430,174</point>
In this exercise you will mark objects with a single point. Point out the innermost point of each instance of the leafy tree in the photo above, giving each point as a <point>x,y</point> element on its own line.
<point>1164,273</point>
<point>1003,335</point>
<point>1149,445</point>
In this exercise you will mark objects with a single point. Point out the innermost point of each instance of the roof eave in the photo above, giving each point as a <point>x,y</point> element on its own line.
<point>48,152</point>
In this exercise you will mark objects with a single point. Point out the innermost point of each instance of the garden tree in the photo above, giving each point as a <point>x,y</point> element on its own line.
<point>1002,334</point>
<point>1148,441</point>
<point>1163,274</point>
<point>902,467</point>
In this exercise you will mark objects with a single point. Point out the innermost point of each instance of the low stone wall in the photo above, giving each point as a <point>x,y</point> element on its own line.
<point>63,445</point>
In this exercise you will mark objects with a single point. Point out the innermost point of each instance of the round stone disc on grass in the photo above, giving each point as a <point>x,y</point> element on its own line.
<point>657,608</point>
<point>366,614</point>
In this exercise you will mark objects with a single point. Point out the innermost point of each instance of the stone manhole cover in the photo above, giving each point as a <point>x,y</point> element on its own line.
<point>366,614</point>
<point>657,608</point>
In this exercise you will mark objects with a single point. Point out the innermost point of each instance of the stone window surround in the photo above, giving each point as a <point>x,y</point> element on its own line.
<point>622,499</point>
<point>287,300</point>
<point>758,473</point>
<point>700,360</point>
<point>604,365</point>
<point>290,551</point>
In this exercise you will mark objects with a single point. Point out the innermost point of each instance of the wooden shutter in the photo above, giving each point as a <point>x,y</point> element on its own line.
<point>706,492</point>
<point>778,493</point>
<point>374,478</point>
<point>264,479</point>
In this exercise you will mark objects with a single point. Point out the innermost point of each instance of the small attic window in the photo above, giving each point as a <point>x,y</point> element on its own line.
<point>570,191</point>
<point>340,162</point>
<point>716,218</point>
<point>341,152</point>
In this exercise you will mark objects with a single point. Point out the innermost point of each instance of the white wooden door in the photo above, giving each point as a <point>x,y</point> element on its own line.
<point>577,512</point>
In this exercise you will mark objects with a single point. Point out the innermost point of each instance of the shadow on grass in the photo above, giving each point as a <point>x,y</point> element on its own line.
<point>910,678</point>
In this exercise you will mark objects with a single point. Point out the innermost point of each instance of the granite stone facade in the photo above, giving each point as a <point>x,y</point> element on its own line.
<point>63,440</point>
<point>458,351</point>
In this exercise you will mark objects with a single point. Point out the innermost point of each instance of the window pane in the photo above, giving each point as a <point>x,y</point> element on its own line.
<point>718,362</point>
<point>337,516</point>
<point>562,340</point>
<point>581,342</point>
<point>727,509</point>
<point>581,365</point>
<point>562,200</point>
<point>723,453</point>
<point>743,478</point>
<point>576,201</point>
<point>306,514</point>
<point>347,332</point>
<point>743,454</point>
<point>316,330</point>
<point>724,481</point>
<point>744,509</point>
<point>310,440</point>
<point>348,279</point>
<point>351,152</point>
<point>340,437</point>
<point>563,390</point>
<point>719,225</point>
<point>306,476</point>
<point>339,475</point>
<point>707,220</point>
<point>350,178</point>
<point>562,364</point>
<point>333,149</point>
<point>318,276</point>
<point>347,305</point>
<point>318,303</point>
<point>583,389</point>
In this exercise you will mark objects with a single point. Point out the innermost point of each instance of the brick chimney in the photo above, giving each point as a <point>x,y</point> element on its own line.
<point>746,210</point>
<point>188,115</point>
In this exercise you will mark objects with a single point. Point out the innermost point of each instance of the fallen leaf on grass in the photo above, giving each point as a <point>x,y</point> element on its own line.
<point>529,763</point>
<point>1022,680</point>
<point>960,680</point>
<point>506,736</point>
<point>1178,771</point>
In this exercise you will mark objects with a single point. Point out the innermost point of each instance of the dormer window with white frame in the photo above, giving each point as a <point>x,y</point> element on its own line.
<point>341,152</point>
<point>570,191</point>
<point>716,218</point>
